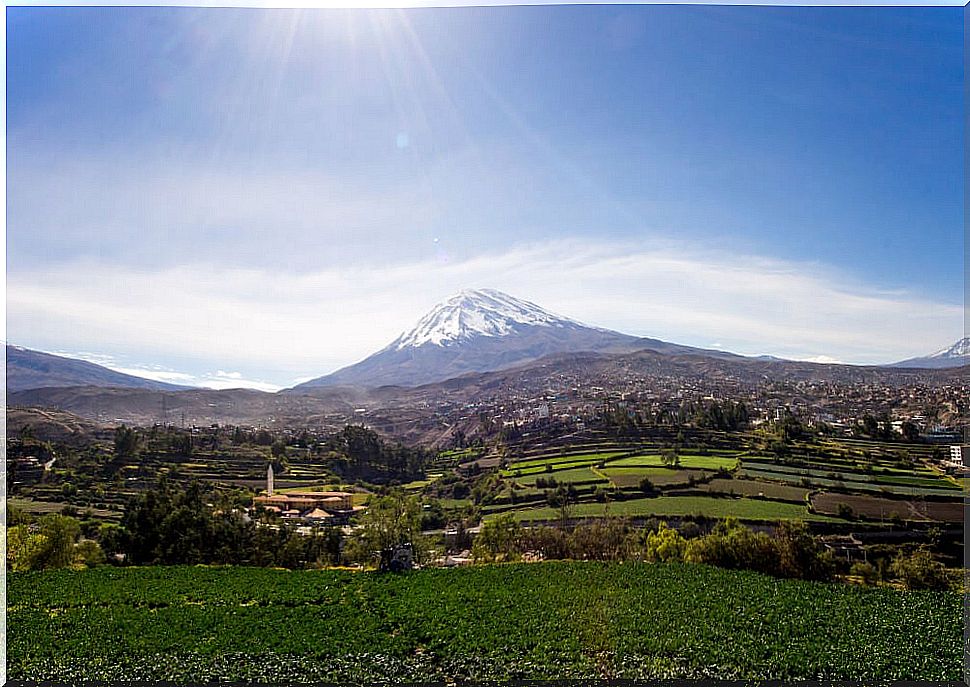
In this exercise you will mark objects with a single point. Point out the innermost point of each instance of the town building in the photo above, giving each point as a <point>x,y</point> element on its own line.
<point>960,454</point>
<point>314,507</point>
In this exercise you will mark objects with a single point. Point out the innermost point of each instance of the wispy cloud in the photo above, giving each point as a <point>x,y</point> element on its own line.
<point>288,326</point>
<point>159,373</point>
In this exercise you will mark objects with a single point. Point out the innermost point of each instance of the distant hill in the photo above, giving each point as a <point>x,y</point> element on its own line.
<point>53,425</point>
<point>410,413</point>
<point>482,331</point>
<point>28,369</point>
<point>956,355</point>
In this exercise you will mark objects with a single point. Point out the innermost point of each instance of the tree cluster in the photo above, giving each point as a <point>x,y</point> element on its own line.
<point>53,542</point>
<point>168,525</point>
<point>793,552</point>
<point>360,453</point>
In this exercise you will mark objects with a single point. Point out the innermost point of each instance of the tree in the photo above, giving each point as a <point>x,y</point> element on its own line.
<point>181,444</point>
<point>669,458</point>
<point>605,539</point>
<point>920,570</point>
<point>126,442</point>
<point>800,554</point>
<point>88,553</point>
<point>22,547</point>
<point>909,430</point>
<point>665,544</point>
<point>789,428</point>
<point>388,523</point>
<point>499,539</point>
<point>563,498</point>
<point>732,545</point>
<point>51,547</point>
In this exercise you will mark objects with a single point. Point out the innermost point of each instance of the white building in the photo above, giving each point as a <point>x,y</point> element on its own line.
<point>959,454</point>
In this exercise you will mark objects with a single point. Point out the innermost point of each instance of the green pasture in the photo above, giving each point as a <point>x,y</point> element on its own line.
<point>687,461</point>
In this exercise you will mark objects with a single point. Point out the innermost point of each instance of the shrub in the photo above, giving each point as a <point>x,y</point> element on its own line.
<point>920,570</point>
<point>866,571</point>
<point>732,545</point>
<point>845,511</point>
<point>500,539</point>
<point>800,554</point>
<point>666,544</point>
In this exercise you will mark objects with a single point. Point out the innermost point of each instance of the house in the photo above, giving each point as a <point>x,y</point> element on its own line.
<point>308,500</point>
<point>309,507</point>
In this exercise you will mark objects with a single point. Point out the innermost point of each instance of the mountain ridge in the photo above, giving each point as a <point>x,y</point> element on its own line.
<point>29,369</point>
<point>476,330</point>
<point>955,355</point>
<point>485,330</point>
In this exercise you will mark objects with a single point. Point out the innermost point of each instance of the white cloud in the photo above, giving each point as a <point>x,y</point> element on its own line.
<point>212,380</point>
<point>284,326</point>
<point>227,375</point>
<point>169,376</point>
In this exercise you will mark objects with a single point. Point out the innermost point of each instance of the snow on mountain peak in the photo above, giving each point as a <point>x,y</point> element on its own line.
<point>960,349</point>
<point>477,312</point>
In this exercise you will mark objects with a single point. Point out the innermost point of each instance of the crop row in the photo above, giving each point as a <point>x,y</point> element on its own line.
<point>515,621</point>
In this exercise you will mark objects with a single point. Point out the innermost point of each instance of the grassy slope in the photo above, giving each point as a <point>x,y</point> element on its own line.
<point>517,621</point>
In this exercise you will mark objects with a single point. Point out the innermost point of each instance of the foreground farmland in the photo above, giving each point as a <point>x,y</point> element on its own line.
<point>550,620</point>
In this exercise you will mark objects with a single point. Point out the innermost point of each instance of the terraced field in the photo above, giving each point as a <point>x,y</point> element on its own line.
<point>630,477</point>
<point>527,621</point>
<point>849,481</point>
<point>875,508</point>
<point>690,461</point>
<point>746,487</point>
<point>557,462</point>
<point>580,475</point>
<point>667,506</point>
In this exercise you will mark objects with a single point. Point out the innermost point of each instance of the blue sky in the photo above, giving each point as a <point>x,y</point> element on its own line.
<point>263,195</point>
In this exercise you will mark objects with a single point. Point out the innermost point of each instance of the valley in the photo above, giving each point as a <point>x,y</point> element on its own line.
<point>504,435</point>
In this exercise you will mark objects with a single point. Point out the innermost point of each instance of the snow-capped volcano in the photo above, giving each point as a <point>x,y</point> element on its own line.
<point>956,355</point>
<point>472,313</point>
<point>476,331</point>
<point>961,349</point>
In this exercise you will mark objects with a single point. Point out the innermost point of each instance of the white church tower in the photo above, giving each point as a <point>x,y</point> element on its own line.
<point>269,480</point>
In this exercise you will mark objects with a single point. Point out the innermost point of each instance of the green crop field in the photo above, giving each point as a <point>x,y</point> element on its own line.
<point>905,480</point>
<point>663,506</point>
<point>686,461</point>
<point>558,462</point>
<point>850,482</point>
<point>855,473</point>
<point>580,475</point>
<point>626,477</point>
<point>538,621</point>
